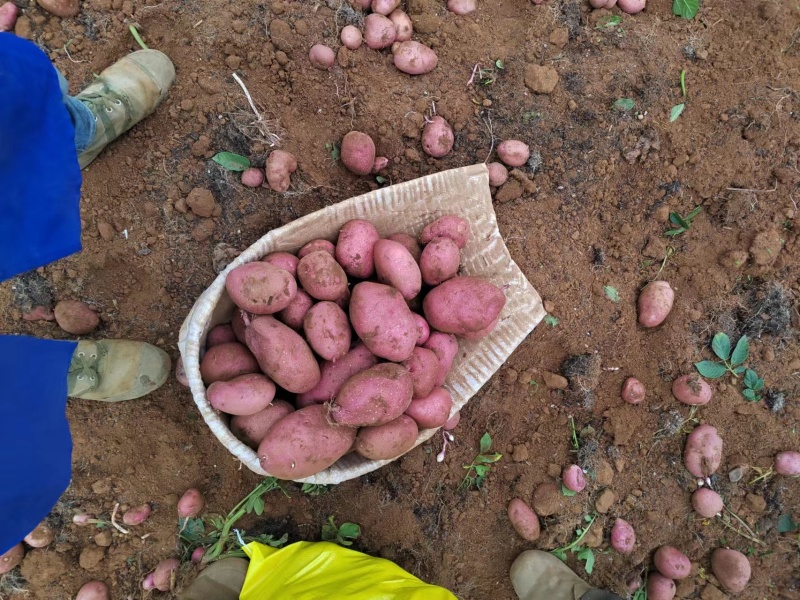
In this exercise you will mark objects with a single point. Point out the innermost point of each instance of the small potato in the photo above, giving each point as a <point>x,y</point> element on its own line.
<point>707,503</point>
<point>414,58</point>
<point>623,537</point>
<point>787,463</point>
<point>327,330</point>
<point>395,266</point>
<point>379,33</point>
<point>382,319</point>
<point>197,555</point>
<point>461,7</point>
<point>384,7</point>
<point>453,421</point>
<point>260,287</point>
<point>294,314</point>
<point>445,347</point>
<point>402,24</point>
<point>147,583</point>
<point>321,57</point>
<point>243,395</point>
<point>423,330</point>
<point>655,303</point>
<point>387,441</point>
<point>163,573</point>
<point>633,391</point>
<point>321,276</point>
<point>672,563</point>
<point>439,261</point>
<point>8,16</point>
<point>635,582</point>
<point>691,389</point>
<point>424,368</point>
<point>373,397</point>
<point>524,520</point>
<point>437,137</point>
<point>449,226</point>
<point>280,166</point>
<point>315,246</point>
<point>334,374</point>
<point>41,536</point>
<point>221,334</point>
<point>463,305</point>
<point>351,37</point>
<point>409,242</point>
<point>358,149</point>
<point>498,174</point>
<point>631,6</point>
<point>660,587</point>
<point>226,361</point>
<point>191,504</point>
<point>602,3</point>
<point>283,355</point>
<point>137,515</point>
<point>433,410</point>
<point>355,248</point>
<point>76,317</point>
<point>283,260</point>
<point>11,558</point>
<point>381,162</point>
<point>252,429</point>
<point>703,451</point>
<point>573,478</point>
<point>93,590</point>
<point>303,443</point>
<point>514,153</point>
<point>252,177</point>
<point>731,568</point>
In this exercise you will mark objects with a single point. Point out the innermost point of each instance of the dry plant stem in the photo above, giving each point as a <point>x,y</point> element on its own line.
<point>735,189</point>
<point>114,522</point>
<point>748,534</point>
<point>247,95</point>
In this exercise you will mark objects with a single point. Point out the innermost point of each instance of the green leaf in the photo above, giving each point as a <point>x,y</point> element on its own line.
<point>786,524</point>
<point>488,458</point>
<point>676,111</point>
<point>741,351</point>
<point>551,320</point>
<point>587,555</point>
<point>482,470</point>
<point>231,162</point>
<point>710,369</point>
<point>567,492</point>
<point>559,554</point>
<point>759,385</point>
<point>350,530</point>
<point>739,370</point>
<point>696,211</point>
<point>679,220</point>
<point>674,232</point>
<point>499,64</point>
<point>588,518</point>
<point>258,506</point>
<point>381,179</point>
<point>683,82</point>
<point>486,442</point>
<point>685,8</point>
<point>750,378</point>
<point>192,529</point>
<point>750,395</point>
<point>608,21</point>
<point>721,345</point>
<point>611,293</point>
<point>624,104</point>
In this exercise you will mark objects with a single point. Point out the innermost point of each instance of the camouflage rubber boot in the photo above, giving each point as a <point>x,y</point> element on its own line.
<point>222,580</point>
<point>538,575</point>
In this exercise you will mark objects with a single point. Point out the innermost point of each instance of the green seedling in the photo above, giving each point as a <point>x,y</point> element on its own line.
<point>685,8</point>
<point>576,446</point>
<point>480,466</point>
<point>682,224</point>
<point>315,489</point>
<point>608,22</point>
<point>551,320</point>
<point>641,593</point>
<point>574,547</point>
<point>136,36</point>
<point>381,179</point>
<point>733,363</point>
<point>676,112</point>
<point>611,293</point>
<point>344,535</point>
<point>624,104</point>
<point>787,525</point>
<point>683,82</point>
<point>335,151</point>
<point>231,162</point>
<point>499,64</point>
<point>565,491</point>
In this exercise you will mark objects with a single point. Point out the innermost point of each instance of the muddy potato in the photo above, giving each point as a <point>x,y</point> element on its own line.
<point>395,266</point>
<point>351,37</point>
<point>449,226</point>
<point>423,330</point>
<point>358,150</point>
<point>672,563</point>
<point>692,389</point>
<point>163,573</point>
<point>387,441</point>
<point>498,174</point>
<point>321,276</point>
<point>252,429</point>
<point>445,347</point>
<point>463,305</point>
<point>707,503</point>
<point>137,515</point>
<point>573,478</point>
<point>631,6</point>
<point>633,391</point>
<point>703,451</point>
<point>283,260</point>
<point>433,410</point>
<point>41,536</point>
<point>243,395</point>
<point>524,520</point>
<point>297,310</point>
<point>787,463</point>
<point>355,248</point>
<point>280,166</point>
<point>321,57</point>
<point>76,317</point>
<point>252,177</point>
<point>655,303</point>
<point>623,537</point>
<point>373,397</point>
<point>514,153</point>
<point>461,7</point>
<point>379,33</point>
<point>334,374</point>
<point>93,590</point>
<point>283,355</point>
<point>327,330</point>
<point>226,361</point>
<point>191,504</point>
<point>660,587</point>
<point>414,58</point>
<point>260,288</point>
<point>731,568</point>
<point>437,137</point>
<point>439,261</point>
<point>424,368</point>
<point>221,334</point>
<point>382,319</point>
<point>403,27</point>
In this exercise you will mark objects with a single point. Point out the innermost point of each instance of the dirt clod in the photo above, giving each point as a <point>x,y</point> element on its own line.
<point>201,202</point>
<point>91,557</point>
<point>604,501</point>
<point>547,499</point>
<point>539,79</point>
<point>765,247</point>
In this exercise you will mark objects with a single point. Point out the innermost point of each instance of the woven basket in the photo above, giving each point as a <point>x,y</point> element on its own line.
<point>404,207</point>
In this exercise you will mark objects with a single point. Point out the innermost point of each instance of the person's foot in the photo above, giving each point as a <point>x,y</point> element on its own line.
<point>124,94</point>
<point>538,575</point>
<point>222,580</point>
<point>115,370</point>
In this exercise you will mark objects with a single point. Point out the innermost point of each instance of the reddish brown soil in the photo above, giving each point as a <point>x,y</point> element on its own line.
<point>592,215</point>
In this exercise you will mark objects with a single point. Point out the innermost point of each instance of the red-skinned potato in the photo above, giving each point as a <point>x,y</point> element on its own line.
<point>382,319</point>
<point>660,587</point>
<point>283,260</point>
<point>449,226</point>
<point>631,6</point>
<point>137,515</point>
<point>692,389</point>
<point>387,441</point>
<point>707,503</point>
<point>514,153</point>
<point>445,347</point>
<point>316,246</point>
<point>283,355</point>
<point>453,421</point>
<point>180,372</point>
<point>237,324</point>
<point>623,537</point>
<point>635,582</point>
<point>633,391</point>
<point>461,7</point>
<point>260,288</point>
<point>703,451</point>
<point>294,314</point>
<point>334,374</point>
<point>379,33</point>
<point>423,330</point>
<point>303,443</point>
<point>573,478</point>
<point>655,303</point>
<point>327,330</point>
<point>351,37</point>
<point>93,590</point>
<point>439,261</point>
<point>321,276</point>
<point>198,554</point>
<point>280,166</point>
<point>395,266</point>
<point>787,463</point>
<point>414,58</point>
<point>524,520</point>
<point>672,563</point>
<point>252,177</point>
<point>8,16</point>
<point>226,361</point>
<point>321,57</point>
<point>252,429</point>
<point>11,558</point>
<point>424,368</point>
<point>358,150</point>
<point>463,305</point>
<point>76,317</point>
<point>221,334</point>
<point>384,7</point>
<point>437,137</point>
<point>481,333</point>
<point>433,410</point>
<point>163,573</point>
<point>147,582</point>
<point>404,28</point>
<point>409,242</point>
<point>191,504</point>
<point>381,162</point>
<point>731,568</point>
<point>41,536</point>
<point>243,395</point>
<point>373,397</point>
<point>498,174</point>
<point>355,246</point>
<point>602,3</point>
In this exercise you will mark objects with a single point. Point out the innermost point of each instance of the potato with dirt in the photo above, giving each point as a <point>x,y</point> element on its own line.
<point>162,574</point>
<point>191,504</point>
<point>414,58</point>
<point>707,503</point>
<point>314,246</point>
<point>437,137</point>
<point>395,266</point>
<point>433,410</point>
<point>76,317</point>
<point>321,276</point>
<point>294,314</point>
<point>439,261</point>
<point>11,558</point>
<point>381,318</point>
<point>403,26</point>
<point>424,368</point>
<point>449,226</point>
<point>672,563</point>
<point>498,174</point>
<point>283,260</point>
<point>226,361</point>
<point>334,374</point>
<point>303,443</point>
<point>321,57</point>
<point>41,536</point>
<point>788,463</point>
<point>692,389</point>
<point>409,242</point>
<point>8,16</point>
<point>463,305</point>
<point>514,153</point>
<point>623,537</point>
<point>453,421</point>
<point>327,330</point>
<point>461,7</point>
<point>660,587</point>
<point>358,150</point>
<point>373,397</point>
<point>387,441</point>
<point>731,568</point>
<point>384,7</point>
<point>252,429</point>
<point>573,478</point>
<point>93,590</point>
<point>243,395</point>
<point>445,347</point>
<point>524,520</point>
<point>379,33</point>
<point>137,515</point>
<point>260,288</point>
<point>280,166</point>
<point>655,303</point>
<point>351,37</point>
<point>633,391</point>
<point>355,248</point>
<point>252,177</point>
<point>282,355</point>
<point>703,451</point>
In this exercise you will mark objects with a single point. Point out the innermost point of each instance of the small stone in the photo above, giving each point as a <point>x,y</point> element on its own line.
<point>572,105</point>
<point>662,213</point>
<point>202,202</point>
<point>786,175</point>
<point>539,79</point>
<point>91,556</point>
<point>554,470</point>
<point>768,9</point>
<point>520,453</point>
<point>201,146</point>
<point>736,474</point>
<point>103,538</point>
<point>554,381</point>
<point>604,501</point>
<point>685,587</point>
<point>233,62</point>
<point>655,248</point>
<point>794,364</point>
<point>755,503</point>
<point>549,306</point>
<point>60,8</point>
<point>106,231</point>
<point>547,499</point>
<point>710,592</point>
<point>702,54</point>
<point>559,37</point>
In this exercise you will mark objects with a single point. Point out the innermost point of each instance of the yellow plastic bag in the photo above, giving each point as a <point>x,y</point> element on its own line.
<point>326,571</point>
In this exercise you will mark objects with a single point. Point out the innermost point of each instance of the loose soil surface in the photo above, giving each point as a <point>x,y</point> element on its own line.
<point>589,211</point>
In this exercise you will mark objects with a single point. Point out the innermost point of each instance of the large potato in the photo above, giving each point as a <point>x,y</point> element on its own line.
<point>351,37</point>
<point>373,397</point>
<point>282,354</point>
<point>358,149</point>
<point>355,248</point>
<point>573,478</point>
<point>463,305</point>
<point>327,330</point>
<point>379,32</point>
<point>623,537</point>
<point>449,226</point>
<point>382,319</point>
<point>297,310</point>
<point>498,174</point>
<point>439,261</point>
<point>252,429</point>
<point>387,441</point>
<point>437,137</point>
<point>226,361</point>
<point>731,568</point>
<point>703,451</point>
<point>243,395</point>
<point>334,374</point>
<point>283,260</point>
<point>321,57</point>
<point>424,368</point>
<point>396,267</point>
<point>280,166</point>
<point>303,443</point>
<point>76,317</point>
<point>321,276</point>
<point>445,347</point>
<point>524,520</point>
<point>632,6</point>
<point>655,303</point>
<point>404,28</point>
<point>672,563</point>
<point>414,58</point>
<point>691,389</point>
<point>93,590</point>
<point>384,7</point>
<point>433,410</point>
<point>260,288</point>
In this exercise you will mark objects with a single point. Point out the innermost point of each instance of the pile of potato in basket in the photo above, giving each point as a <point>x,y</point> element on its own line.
<point>346,347</point>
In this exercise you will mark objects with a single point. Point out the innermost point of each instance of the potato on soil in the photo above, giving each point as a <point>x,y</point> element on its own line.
<point>633,391</point>
<point>243,395</point>
<point>387,441</point>
<point>321,276</point>
<point>382,319</point>
<point>445,347</point>
<point>672,563</point>
<point>260,288</point>
<point>631,6</point>
<point>433,410</point>
<point>384,7</point>
<point>414,58</point>
<point>321,57</point>
<point>437,137</point>
<point>351,37</point>
<point>137,515</point>
<point>163,573</point>
<point>303,443</point>
<point>731,568</point>
<point>191,504</point>
<point>706,502</point>
<point>294,314</point>
<point>197,555</point>
<point>11,558</point>
<point>327,330</point>
<point>409,242</point>
<point>498,174</point>
<point>424,368</point>
<point>655,303</point>
<point>463,305</point>
<point>573,478</point>
<point>787,463</point>
<point>316,245</point>
<point>373,397</point>
<point>252,429</point>
<point>280,166</point>
<point>660,587</point>
<point>8,16</point>
<point>404,28</point>
<point>379,33</point>
<point>283,355</point>
<point>334,374</point>
<point>93,590</point>
<point>226,361</point>
<point>76,317</point>
<point>423,330</point>
<point>602,3</point>
<point>453,421</point>
<point>395,266</point>
<point>514,153</point>
<point>283,260</point>
<point>221,334</point>
<point>703,451</point>
<point>692,389</point>
<point>252,177</point>
<point>41,536</point>
<point>623,537</point>
<point>449,226</point>
<point>354,248</point>
<point>524,520</point>
<point>358,149</point>
<point>461,7</point>
<point>439,261</point>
